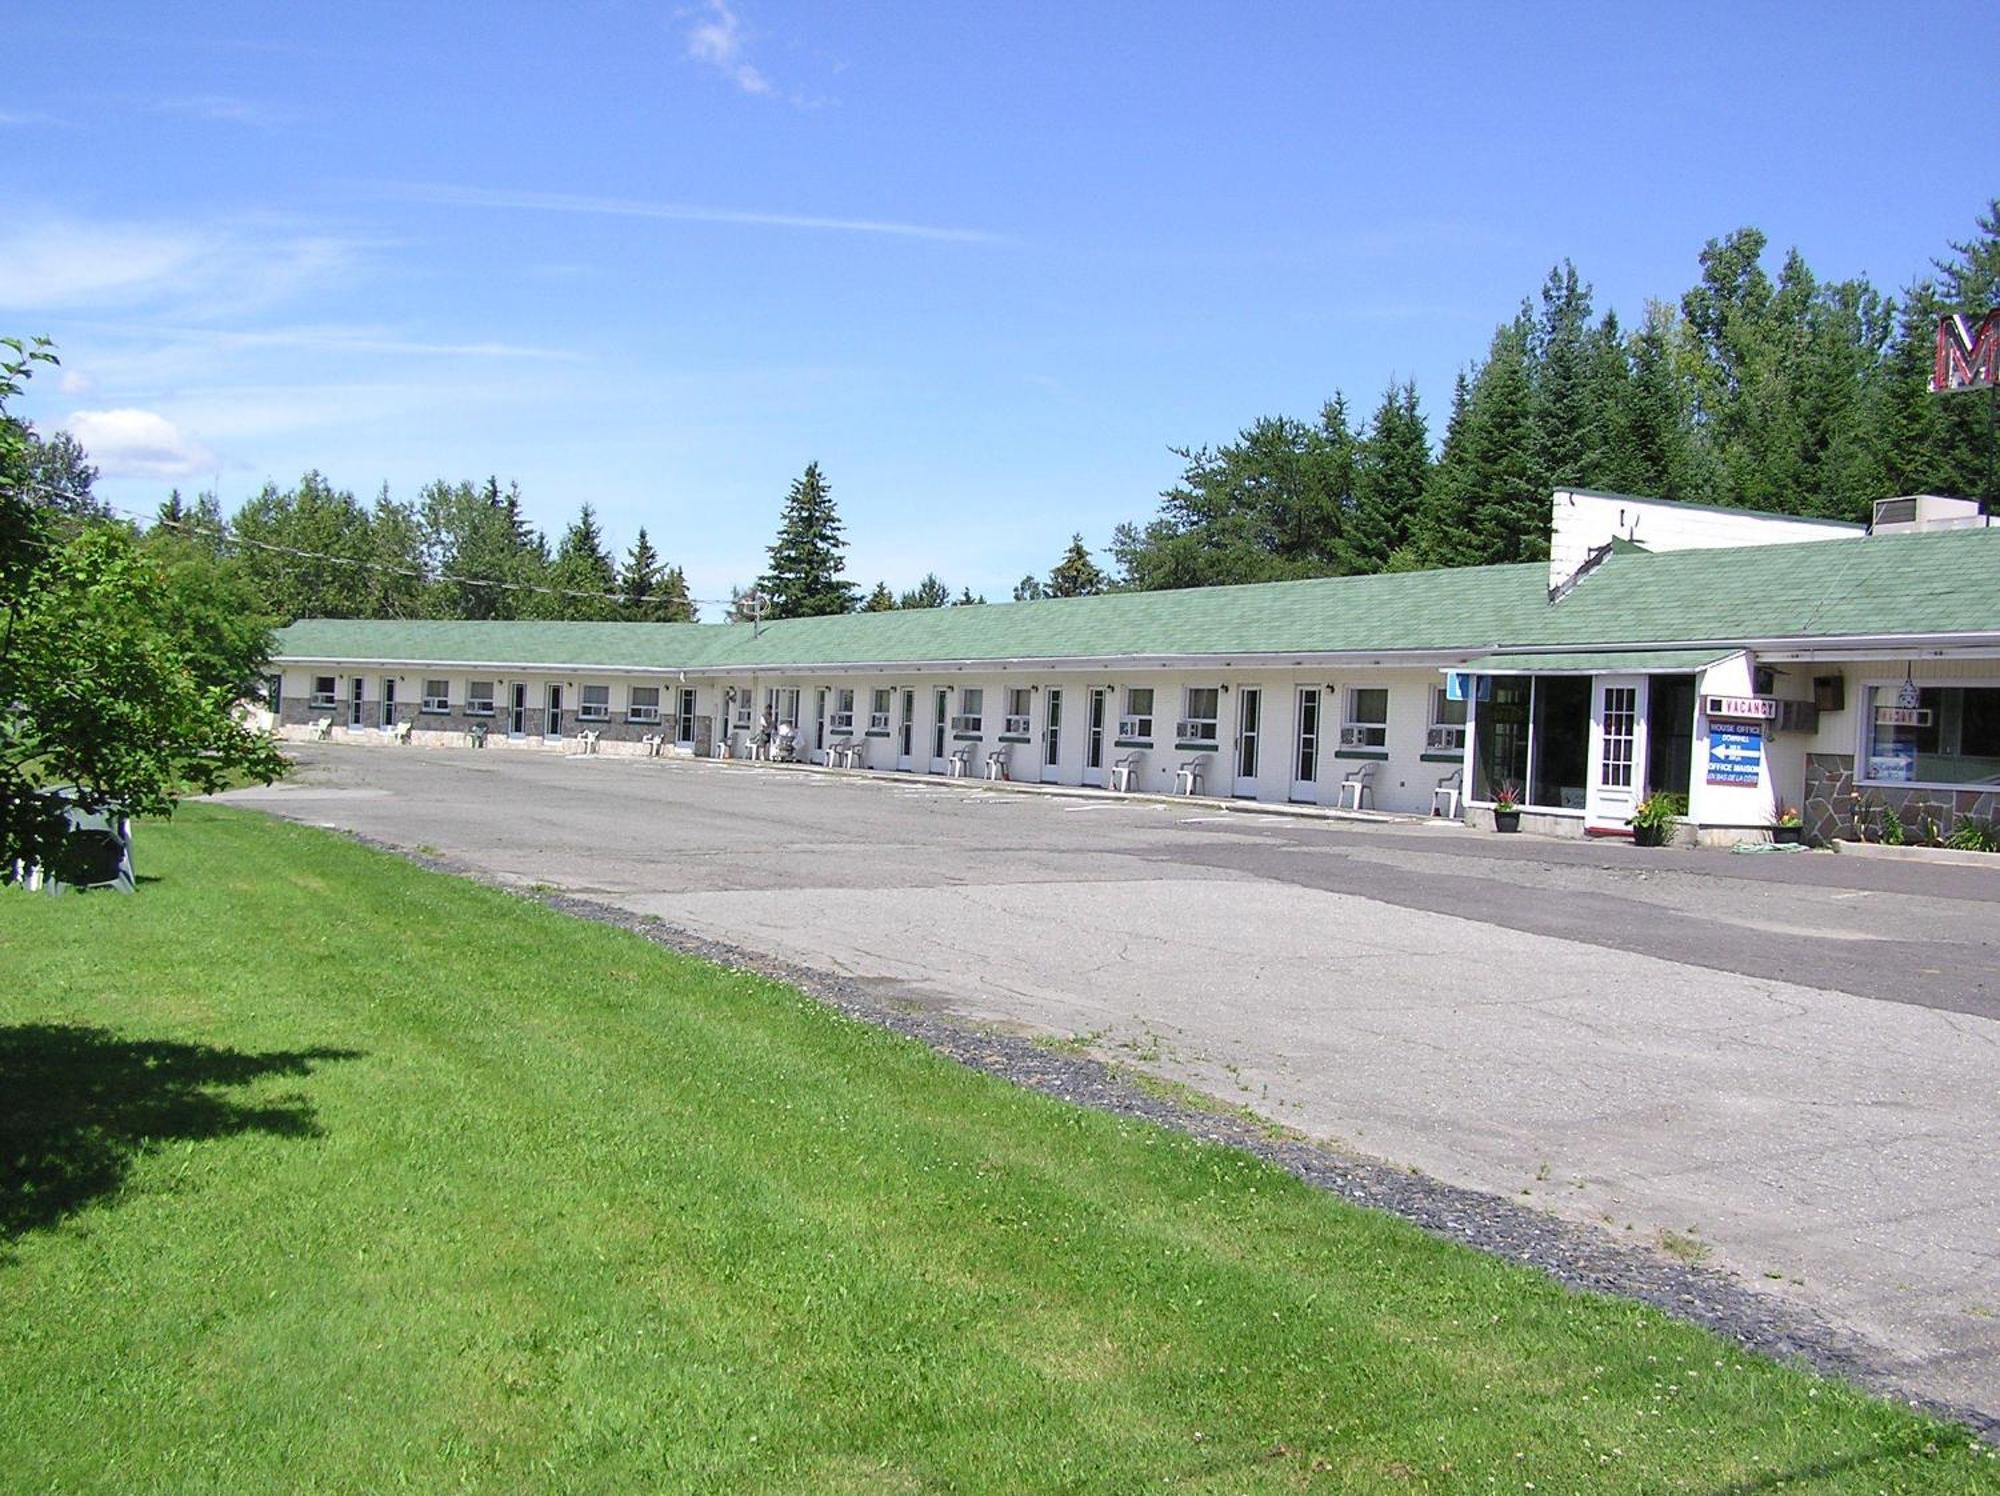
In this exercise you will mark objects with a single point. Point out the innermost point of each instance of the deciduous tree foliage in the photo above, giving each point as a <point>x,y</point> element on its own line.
<point>121,664</point>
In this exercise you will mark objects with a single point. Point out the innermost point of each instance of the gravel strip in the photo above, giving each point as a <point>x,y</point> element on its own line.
<point>1577,1256</point>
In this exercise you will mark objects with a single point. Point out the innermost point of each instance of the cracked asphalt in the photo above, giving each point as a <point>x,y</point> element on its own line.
<point>1786,1065</point>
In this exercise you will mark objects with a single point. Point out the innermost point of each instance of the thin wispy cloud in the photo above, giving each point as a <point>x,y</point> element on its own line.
<point>716,38</point>
<point>325,338</point>
<point>190,270</point>
<point>27,118</point>
<point>620,207</point>
<point>221,109</point>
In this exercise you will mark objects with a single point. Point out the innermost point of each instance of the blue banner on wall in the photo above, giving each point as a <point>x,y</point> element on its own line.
<point>1735,752</point>
<point>1460,686</point>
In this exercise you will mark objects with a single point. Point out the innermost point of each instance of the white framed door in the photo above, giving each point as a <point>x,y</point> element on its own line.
<point>1052,710</point>
<point>940,723</point>
<point>1306,743</point>
<point>1249,740</point>
<point>354,690</point>
<point>1617,765</point>
<point>552,723</point>
<point>907,732</point>
<point>388,701</point>
<point>1098,703</point>
<point>517,711</point>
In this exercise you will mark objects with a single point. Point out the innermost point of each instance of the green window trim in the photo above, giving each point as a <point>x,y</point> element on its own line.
<point>1015,737</point>
<point>876,732</point>
<point>1131,742</point>
<point>1442,758</point>
<point>1374,754</point>
<point>968,737</point>
<point>1200,745</point>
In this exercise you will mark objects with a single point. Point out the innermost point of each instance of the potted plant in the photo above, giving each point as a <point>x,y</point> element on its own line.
<point>1507,807</point>
<point>1654,817</point>
<point>1788,826</point>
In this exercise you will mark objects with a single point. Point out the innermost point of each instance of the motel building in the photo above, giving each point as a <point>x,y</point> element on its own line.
<point>1747,661</point>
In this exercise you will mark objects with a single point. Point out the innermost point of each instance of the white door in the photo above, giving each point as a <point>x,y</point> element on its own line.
<point>354,702</point>
<point>1306,746</point>
<point>905,743</point>
<point>388,701</point>
<point>1249,740</point>
<point>1052,735</point>
<point>1617,770</point>
<point>552,723</point>
<point>517,714</point>
<point>940,722</point>
<point>1093,736</point>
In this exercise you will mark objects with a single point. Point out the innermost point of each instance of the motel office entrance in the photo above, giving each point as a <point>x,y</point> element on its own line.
<point>1594,745</point>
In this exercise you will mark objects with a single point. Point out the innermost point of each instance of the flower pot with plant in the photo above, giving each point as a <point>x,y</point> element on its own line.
<point>1654,817</point>
<point>1507,807</point>
<point>1788,826</point>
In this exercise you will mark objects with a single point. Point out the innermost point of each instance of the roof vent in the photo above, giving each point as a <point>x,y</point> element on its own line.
<point>1927,511</point>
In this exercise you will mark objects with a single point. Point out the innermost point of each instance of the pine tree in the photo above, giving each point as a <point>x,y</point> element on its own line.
<point>639,580</point>
<point>673,603</point>
<point>1445,514</point>
<point>582,580</point>
<point>1510,493</point>
<point>1029,588</point>
<point>967,600</point>
<point>1076,575</point>
<point>929,593</point>
<point>1390,471</point>
<point>805,578</point>
<point>1560,369</point>
<point>881,600</point>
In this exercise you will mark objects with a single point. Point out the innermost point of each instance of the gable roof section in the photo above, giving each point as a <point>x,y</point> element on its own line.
<point>1936,583</point>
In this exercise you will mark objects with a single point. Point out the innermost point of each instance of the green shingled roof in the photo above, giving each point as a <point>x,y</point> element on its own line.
<point>1940,582</point>
<point>1605,662</point>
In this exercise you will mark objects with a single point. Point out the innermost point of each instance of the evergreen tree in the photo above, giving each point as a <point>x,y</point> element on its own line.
<point>1967,437</point>
<point>1510,493</point>
<point>1029,588</point>
<point>967,600</point>
<point>1445,512</point>
<point>673,603</point>
<point>881,600</point>
<point>395,579</point>
<point>60,474</point>
<point>307,551</point>
<point>639,580</point>
<point>581,579</point>
<point>929,593</point>
<point>1390,472</point>
<point>805,579</point>
<point>1565,396</point>
<point>1076,575</point>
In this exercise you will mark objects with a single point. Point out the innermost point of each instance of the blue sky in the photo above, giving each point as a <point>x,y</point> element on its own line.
<point>986,264</point>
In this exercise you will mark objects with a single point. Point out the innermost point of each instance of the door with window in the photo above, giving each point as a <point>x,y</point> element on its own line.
<point>552,724</point>
<point>1306,746</point>
<point>1616,780</point>
<point>940,724</point>
<point>388,701</point>
<point>1093,735</point>
<point>517,711</point>
<point>1052,705</point>
<point>354,688</point>
<point>906,732</point>
<point>1249,739</point>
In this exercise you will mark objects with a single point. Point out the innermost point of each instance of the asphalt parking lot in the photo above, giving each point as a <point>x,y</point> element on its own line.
<point>1791,1063</point>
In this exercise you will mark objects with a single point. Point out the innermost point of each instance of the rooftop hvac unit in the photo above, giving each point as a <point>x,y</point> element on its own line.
<point>1927,511</point>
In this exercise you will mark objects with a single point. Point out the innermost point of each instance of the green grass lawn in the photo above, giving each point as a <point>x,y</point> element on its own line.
<point>323,1170</point>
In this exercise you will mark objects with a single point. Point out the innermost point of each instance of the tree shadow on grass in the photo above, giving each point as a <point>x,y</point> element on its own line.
<point>78,1105</point>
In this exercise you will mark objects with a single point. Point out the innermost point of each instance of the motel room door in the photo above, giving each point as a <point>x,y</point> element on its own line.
<point>1617,777</point>
<point>1097,702</point>
<point>1052,708</point>
<point>1249,740</point>
<point>907,731</point>
<point>940,721</point>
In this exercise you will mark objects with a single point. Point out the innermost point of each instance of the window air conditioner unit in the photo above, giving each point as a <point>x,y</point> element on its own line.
<point>436,704</point>
<point>1016,725</point>
<point>1195,730</point>
<point>1444,739</point>
<point>1354,737</point>
<point>965,724</point>
<point>1128,727</point>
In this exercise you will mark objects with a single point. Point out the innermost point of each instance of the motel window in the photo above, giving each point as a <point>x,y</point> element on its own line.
<point>642,704</point>
<point>1366,724</point>
<point>878,709</point>
<point>1949,737</point>
<point>479,698</point>
<point>843,709</point>
<point>971,710</point>
<point>437,696</point>
<point>594,704</point>
<point>684,728</point>
<point>324,690</point>
<point>1137,723</point>
<point>1533,734</point>
<point>1446,730</point>
<point>1201,706</point>
<point>1018,712</point>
